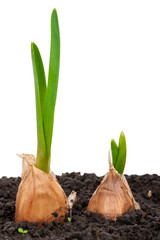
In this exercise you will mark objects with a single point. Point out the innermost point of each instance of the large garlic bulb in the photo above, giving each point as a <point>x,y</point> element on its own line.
<point>113,197</point>
<point>40,197</point>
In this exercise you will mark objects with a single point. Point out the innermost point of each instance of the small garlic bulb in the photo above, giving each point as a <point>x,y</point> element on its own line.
<point>113,197</point>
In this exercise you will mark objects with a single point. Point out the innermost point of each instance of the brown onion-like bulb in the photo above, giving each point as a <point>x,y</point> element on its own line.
<point>113,197</point>
<point>40,197</point>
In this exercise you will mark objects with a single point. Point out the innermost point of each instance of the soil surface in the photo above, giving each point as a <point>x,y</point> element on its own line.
<point>143,224</point>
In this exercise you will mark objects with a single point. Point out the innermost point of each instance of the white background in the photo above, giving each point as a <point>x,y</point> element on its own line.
<point>109,82</point>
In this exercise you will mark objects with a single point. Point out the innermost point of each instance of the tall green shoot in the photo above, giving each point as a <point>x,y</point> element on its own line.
<point>46,95</point>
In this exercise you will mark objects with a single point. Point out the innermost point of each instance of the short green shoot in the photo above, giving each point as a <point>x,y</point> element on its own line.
<point>20,230</point>
<point>69,219</point>
<point>46,95</point>
<point>119,153</point>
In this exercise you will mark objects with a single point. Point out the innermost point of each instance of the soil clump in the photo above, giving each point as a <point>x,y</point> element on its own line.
<point>142,224</point>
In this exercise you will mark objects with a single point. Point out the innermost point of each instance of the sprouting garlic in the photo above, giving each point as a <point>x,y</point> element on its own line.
<point>40,197</point>
<point>113,197</point>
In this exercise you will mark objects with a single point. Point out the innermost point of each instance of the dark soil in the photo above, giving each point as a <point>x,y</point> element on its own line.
<point>143,224</point>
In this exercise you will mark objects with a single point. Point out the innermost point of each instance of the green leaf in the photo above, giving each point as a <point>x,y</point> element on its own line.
<point>40,74</point>
<point>40,93</point>
<point>20,230</point>
<point>115,152</point>
<point>120,164</point>
<point>53,75</point>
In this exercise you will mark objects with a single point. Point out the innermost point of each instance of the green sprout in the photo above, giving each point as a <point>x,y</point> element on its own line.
<point>69,219</point>
<point>119,153</point>
<point>46,95</point>
<point>20,230</point>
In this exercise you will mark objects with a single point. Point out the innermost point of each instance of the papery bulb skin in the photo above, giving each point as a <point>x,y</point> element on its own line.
<point>40,198</point>
<point>113,197</point>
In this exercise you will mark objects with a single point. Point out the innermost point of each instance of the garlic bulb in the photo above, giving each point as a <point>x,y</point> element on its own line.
<point>40,197</point>
<point>113,197</point>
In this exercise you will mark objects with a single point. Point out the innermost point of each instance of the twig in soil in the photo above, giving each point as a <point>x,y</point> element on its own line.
<point>71,201</point>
